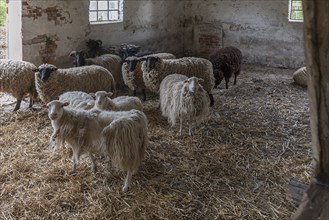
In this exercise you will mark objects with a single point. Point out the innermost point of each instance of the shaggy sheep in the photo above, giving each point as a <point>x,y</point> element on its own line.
<point>156,69</point>
<point>121,103</point>
<point>226,61</point>
<point>301,76</point>
<point>132,72</point>
<point>78,99</point>
<point>120,136</point>
<point>52,82</point>
<point>110,62</point>
<point>183,98</point>
<point>17,78</point>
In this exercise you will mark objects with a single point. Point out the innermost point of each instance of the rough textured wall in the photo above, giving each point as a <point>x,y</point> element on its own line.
<point>52,29</point>
<point>259,28</point>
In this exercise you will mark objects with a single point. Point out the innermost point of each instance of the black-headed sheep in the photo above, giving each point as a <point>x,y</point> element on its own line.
<point>226,61</point>
<point>111,62</point>
<point>51,82</point>
<point>132,72</point>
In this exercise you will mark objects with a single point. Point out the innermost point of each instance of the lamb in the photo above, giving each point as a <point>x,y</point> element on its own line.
<point>110,62</point>
<point>121,103</point>
<point>301,76</point>
<point>78,99</point>
<point>121,136</point>
<point>156,69</point>
<point>17,78</point>
<point>51,82</point>
<point>226,61</point>
<point>132,72</point>
<point>183,98</point>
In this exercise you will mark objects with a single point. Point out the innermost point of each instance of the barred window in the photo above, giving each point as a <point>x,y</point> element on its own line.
<point>296,10</point>
<point>105,10</point>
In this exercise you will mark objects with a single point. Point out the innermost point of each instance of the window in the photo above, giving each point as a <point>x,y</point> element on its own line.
<point>296,10</point>
<point>105,10</point>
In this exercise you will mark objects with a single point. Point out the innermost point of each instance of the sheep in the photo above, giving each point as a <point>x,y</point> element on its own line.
<point>132,72</point>
<point>155,69</point>
<point>121,103</point>
<point>78,99</point>
<point>226,61</point>
<point>111,62</point>
<point>17,78</point>
<point>183,98</point>
<point>52,82</point>
<point>301,76</point>
<point>95,49</point>
<point>120,136</point>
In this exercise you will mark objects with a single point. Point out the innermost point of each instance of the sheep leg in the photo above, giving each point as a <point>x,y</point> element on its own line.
<point>31,102</point>
<point>234,83</point>
<point>18,104</point>
<point>75,160</point>
<point>227,81</point>
<point>94,166</point>
<point>211,97</point>
<point>127,181</point>
<point>144,95</point>
<point>190,128</point>
<point>180,126</point>
<point>135,92</point>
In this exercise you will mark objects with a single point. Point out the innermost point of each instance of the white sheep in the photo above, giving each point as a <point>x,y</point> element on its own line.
<point>121,103</point>
<point>78,99</point>
<point>301,76</point>
<point>51,82</point>
<point>156,69</point>
<point>17,78</point>
<point>111,62</point>
<point>132,73</point>
<point>120,136</point>
<point>183,98</point>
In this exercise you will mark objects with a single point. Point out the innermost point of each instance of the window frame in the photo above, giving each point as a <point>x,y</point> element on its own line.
<point>290,10</point>
<point>108,10</point>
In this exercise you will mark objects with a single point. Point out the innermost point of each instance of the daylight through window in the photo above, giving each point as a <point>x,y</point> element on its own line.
<point>105,10</point>
<point>295,10</point>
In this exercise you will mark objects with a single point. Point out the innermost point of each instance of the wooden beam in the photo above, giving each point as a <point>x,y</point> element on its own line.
<point>316,36</point>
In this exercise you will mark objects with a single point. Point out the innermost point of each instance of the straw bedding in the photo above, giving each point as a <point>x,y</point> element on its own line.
<point>237,166</point>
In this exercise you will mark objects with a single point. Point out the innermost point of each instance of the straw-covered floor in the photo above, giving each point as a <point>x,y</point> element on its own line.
<point>237,166</point>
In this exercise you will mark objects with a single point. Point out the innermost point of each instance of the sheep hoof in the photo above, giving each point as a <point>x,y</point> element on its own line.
<point>125,189</point>
<point>72,172</point>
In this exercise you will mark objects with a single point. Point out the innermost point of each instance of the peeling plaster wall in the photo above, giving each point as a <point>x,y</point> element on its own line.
<point>52,29</point>
<point>260,28</point>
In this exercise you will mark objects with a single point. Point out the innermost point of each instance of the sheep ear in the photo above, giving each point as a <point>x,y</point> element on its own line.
<point>92,94</point>
<point>44,106</point>
<point>53,68</point>
<point>109,94</point>
<point>186,81</point>
<point>200,80</point>
<point>65,104</point>
<point>35,70</point>
<point>73,53</point>
<point>142,58</point>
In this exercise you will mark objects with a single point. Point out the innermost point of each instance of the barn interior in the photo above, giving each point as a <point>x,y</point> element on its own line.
<point>240,164</point>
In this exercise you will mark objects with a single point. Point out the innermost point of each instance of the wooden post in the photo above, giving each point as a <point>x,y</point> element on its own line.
<point>315,204</point>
